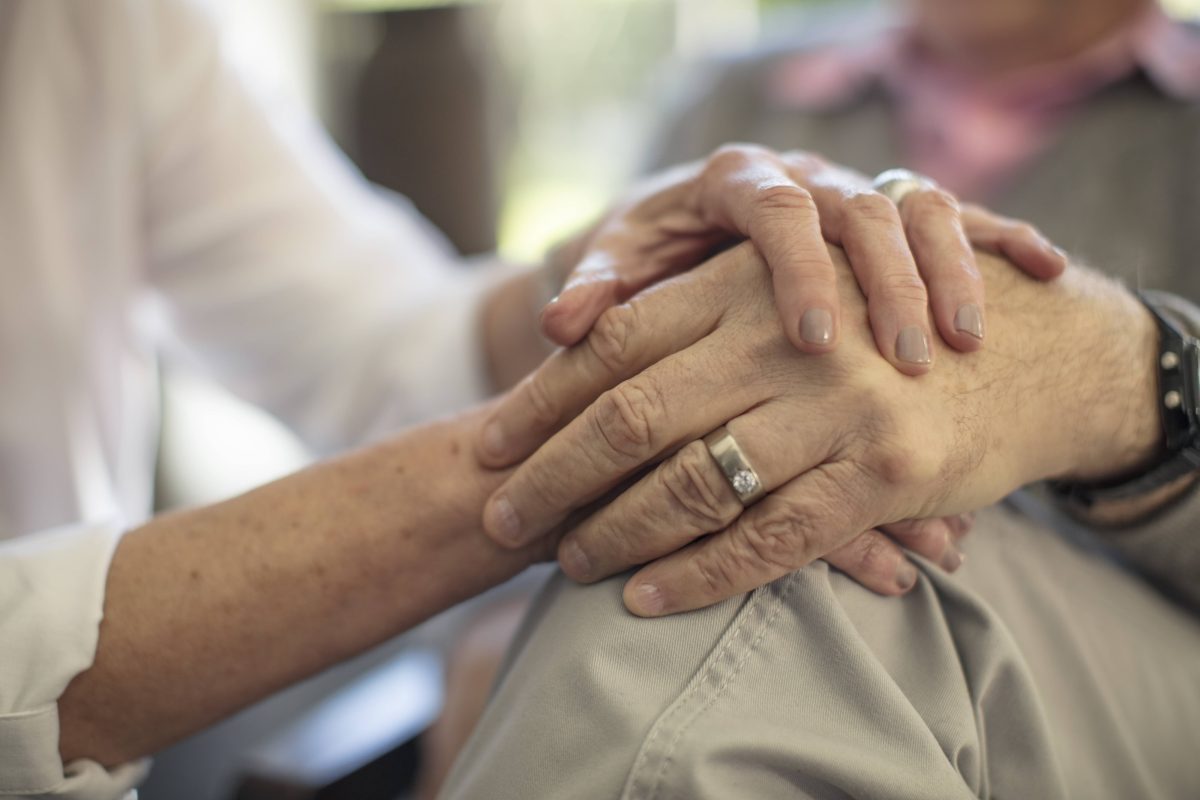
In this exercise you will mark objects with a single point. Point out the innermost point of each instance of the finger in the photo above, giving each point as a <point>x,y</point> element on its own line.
<point>876,562</point>
<point>960,525</point>
<point>628,426</point>
<point>750,191</point>
<point>593,286</point>
<point>806,518</point>
<point>947,265</point>
<point>932,538</point>
<point>625,340</point>
<point>685,497</point>
<point>688,495</point>
<point>874,239</point>
<point>622,261</point>
<point>1020,242</point>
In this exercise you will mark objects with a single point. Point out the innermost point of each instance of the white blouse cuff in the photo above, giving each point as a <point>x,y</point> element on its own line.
<point>51,602</point>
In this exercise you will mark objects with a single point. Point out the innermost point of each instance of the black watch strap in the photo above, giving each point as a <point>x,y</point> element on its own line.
<point>1179,412</point>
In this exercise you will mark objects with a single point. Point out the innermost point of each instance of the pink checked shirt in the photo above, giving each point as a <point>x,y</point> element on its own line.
<point>970,133</point>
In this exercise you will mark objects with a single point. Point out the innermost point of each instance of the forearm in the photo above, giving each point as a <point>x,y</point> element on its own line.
<point>209,610</point>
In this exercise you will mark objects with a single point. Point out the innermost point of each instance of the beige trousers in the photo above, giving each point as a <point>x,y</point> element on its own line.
<point>1038,671</point>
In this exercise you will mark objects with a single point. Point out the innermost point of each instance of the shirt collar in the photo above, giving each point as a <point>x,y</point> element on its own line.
<point>1166,50</point>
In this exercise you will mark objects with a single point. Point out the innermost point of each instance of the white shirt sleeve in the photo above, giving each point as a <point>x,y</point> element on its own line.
<point>51,596</point>
<point>285,274</point>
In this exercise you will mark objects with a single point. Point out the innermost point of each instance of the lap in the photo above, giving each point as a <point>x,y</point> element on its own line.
<point>1037,671</point>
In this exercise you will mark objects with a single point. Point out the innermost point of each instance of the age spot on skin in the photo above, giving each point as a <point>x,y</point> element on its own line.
<point>194,575</point>
<point>455,448</point>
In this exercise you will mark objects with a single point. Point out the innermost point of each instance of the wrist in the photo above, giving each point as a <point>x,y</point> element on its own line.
<point>1113,419</point>
<point>431,520</point>
<point>1072,368</point>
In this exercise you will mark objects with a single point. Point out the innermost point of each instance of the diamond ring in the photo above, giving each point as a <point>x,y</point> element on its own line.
<point>734,466</point>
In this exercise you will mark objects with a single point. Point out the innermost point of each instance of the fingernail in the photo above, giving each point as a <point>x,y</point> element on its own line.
<point>501,521</point>
<point>575,562</point>
<point>962,523</point>
<point>1058,251</point>
<point>906,575</point>
<point>816,326</point>
<point>493,439</point>
<point>912,346</point>
<point>952,557</point>
<point>969,319</point>
<point>647,600</point>
<point>548,309</point>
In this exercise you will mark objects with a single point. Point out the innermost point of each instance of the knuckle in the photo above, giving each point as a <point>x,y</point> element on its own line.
<point>781,536</point>
<point>731,159</point>
<point>882,448</point>
<point>872,207</point>
<point>901,284</point>
<point>717,576</point>
<point>902,463</point>
<point>694,485</point>
<point>787,198</point>
<point>929,204</point>
<point>539,480</point>
<point>608,544</point>
<point>804,160</point>
<point>627,418</point>
<point>611,339</point>
<point>874,555</point>
<point>895,464</point>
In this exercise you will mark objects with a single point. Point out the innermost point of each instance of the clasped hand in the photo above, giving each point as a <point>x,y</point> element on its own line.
<point>665,363</point>
<point>843,442</point>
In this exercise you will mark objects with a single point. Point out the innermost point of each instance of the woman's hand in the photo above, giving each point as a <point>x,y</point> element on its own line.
<point>905,259</point>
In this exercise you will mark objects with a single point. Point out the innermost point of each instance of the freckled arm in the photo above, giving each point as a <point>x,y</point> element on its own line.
<point>209,610</point>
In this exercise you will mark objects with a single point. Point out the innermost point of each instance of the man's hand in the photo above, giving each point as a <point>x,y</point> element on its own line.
<point>843,443</point>
<point>905,259</point>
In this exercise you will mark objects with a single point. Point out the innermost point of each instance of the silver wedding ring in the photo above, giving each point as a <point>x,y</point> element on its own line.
<point>734,466</point>
<point>896,184</point>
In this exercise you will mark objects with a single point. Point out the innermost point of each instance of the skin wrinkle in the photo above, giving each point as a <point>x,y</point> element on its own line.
<point>692,487</point>
<point>611,339</point>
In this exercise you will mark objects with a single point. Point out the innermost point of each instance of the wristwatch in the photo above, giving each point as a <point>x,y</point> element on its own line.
<point>1179,413</point>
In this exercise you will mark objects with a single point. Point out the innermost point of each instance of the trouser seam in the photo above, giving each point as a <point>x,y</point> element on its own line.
<point>755,613</point>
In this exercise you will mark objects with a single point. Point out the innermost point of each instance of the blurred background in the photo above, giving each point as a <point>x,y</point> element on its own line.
<point>509,123</point>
